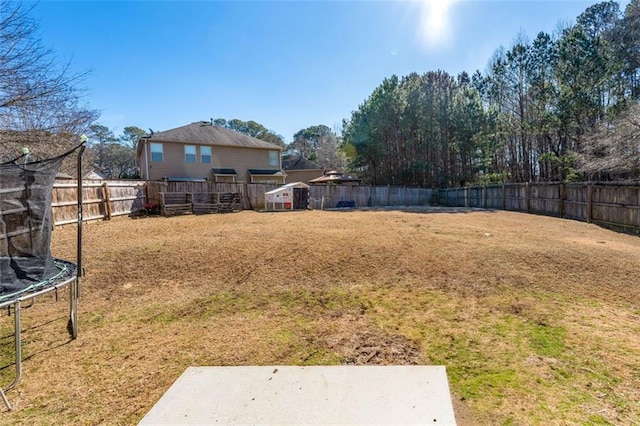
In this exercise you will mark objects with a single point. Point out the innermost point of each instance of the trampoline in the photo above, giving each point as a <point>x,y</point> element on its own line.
<point>27,268</point>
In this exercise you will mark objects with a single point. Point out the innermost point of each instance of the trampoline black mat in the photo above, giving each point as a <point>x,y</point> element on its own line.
<point>24,275</point>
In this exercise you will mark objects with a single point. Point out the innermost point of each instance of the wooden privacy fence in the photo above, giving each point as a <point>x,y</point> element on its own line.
<point>100,200</point>
<point>319,196</point>
<point>103,200</point>
<point>368,196</point>
<point>615,205</point>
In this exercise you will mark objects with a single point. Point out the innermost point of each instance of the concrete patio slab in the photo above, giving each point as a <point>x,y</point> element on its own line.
<point>287,395</point>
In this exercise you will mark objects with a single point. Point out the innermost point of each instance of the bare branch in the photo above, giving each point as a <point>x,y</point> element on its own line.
<point>36,91</point>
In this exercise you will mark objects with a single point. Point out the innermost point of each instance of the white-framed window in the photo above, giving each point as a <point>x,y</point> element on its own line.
<point>157,152</point>
<point>189,153</point>
<point>273,158</point>
<point>205,154</point>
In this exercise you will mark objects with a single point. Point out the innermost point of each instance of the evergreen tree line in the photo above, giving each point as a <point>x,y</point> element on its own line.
<point>559,108</point>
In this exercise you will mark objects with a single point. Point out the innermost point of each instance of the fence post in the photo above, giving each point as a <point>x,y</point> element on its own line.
<point>245,196</point>
<point>589,203</point>
<point>106,197</point>
<point>504,197</point>
<point>527,196</point>
<point>327,192</point>
<point>484,196</point>
<point>563,196</point>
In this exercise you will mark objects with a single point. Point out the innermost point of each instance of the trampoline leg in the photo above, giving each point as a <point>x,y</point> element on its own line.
<point>72,326</point>
<point>18,345</point>
<point>5,400</point>
<point>18,341</point>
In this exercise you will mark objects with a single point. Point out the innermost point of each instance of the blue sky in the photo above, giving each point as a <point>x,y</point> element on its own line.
<point>285,64</point>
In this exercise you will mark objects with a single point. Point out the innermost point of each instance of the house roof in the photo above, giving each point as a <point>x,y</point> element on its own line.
<point>185,179</point>
<point>61,175</point>
<point>298,162</point>
<point>205,133</point>
<point>224,171</point>
<point>265,172</point>
<point>94,175</point>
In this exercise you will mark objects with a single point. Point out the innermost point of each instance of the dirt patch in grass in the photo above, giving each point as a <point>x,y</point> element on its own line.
<point>535,318</point>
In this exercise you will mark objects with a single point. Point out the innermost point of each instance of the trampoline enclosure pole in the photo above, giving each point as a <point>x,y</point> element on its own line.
<point>79,254</point>
<point>74,287</point>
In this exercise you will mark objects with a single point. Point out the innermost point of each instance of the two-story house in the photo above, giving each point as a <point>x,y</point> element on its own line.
<point>201,150</point>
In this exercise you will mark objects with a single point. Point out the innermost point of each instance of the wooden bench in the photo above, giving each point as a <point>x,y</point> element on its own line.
<point>173,203</point>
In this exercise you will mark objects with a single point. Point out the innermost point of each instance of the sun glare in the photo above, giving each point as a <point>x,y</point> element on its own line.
<point>434,26</point>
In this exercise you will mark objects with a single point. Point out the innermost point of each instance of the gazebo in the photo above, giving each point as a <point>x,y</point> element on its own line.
<point>337,178</point>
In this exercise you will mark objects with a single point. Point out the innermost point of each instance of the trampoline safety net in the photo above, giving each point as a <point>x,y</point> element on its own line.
<point>26,263</point>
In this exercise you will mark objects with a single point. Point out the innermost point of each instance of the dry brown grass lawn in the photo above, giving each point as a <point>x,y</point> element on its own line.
<point>536,319</point>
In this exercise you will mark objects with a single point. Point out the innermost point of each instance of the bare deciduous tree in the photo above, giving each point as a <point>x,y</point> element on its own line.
<point>613,151</point>
<point>40,98</point>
